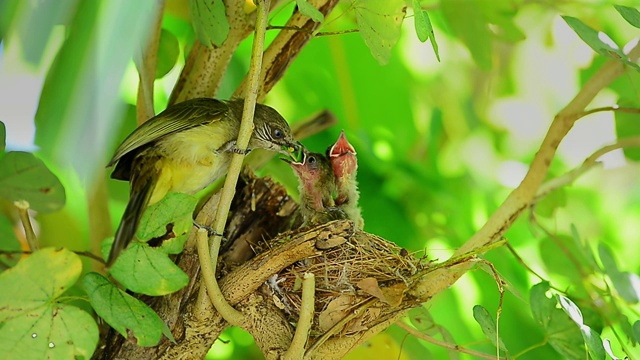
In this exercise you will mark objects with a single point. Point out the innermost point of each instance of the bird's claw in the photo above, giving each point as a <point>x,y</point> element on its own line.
<point>210,231</point>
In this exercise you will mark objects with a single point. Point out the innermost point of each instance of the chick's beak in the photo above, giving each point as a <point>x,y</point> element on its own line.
<point>341,147</point>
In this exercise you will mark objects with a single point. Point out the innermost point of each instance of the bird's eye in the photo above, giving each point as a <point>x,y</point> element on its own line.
<point>278,134</point>
<point>312,160</point>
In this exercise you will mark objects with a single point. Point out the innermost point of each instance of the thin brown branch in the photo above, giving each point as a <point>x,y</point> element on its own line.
<point>147,64</point>
<point>286,47</point>
<point>411,330</point>
<point>611,108</point>
<point>590,162</point>
<point>205,67</point>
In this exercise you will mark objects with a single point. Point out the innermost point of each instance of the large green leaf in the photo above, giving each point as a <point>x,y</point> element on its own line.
<point>8,243</point>
<point>625,283</point>
<point>80,100</point>
<point>176,209</point>
<point>210,22</point>
<point>562,333</point>
<point>146,270</point>
<point>591,338</point>
<point>33,325</point>
<point>122,311</point>
<point>25,177</point>
<point>379,22</point>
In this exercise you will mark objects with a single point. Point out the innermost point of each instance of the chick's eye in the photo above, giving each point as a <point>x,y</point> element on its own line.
<point>312,160</point>
<point>277,134</point>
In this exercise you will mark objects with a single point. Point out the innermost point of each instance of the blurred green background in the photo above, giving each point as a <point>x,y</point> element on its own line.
<point>440,144</point>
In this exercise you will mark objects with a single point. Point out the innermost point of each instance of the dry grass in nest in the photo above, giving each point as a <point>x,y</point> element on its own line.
<point>349,276</point>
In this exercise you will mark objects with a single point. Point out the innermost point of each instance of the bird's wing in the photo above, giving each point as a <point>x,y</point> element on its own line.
<point>176,118</point>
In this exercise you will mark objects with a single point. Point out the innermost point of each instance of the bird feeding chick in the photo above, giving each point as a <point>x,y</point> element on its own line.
<point>184,149</point>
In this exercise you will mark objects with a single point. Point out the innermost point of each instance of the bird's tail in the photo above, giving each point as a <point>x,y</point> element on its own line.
<point>141,190</point>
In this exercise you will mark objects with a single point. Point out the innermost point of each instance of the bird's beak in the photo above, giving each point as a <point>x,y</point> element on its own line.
<point>341,147</point>
<point>297,155</point>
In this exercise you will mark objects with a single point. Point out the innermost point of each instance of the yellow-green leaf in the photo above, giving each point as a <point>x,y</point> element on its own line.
<point>25,177</point>
<point>379,22</point>
<point>210,22</point>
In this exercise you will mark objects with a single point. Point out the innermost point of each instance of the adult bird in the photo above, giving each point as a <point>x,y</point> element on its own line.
<point>344,163</point>
<point>184,149</point>
<point>317,186</point>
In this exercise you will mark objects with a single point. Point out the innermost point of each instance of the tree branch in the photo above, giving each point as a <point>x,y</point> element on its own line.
<point>524,194</point>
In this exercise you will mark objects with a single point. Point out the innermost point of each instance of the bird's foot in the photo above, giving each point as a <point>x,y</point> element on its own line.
<point>210,231</point>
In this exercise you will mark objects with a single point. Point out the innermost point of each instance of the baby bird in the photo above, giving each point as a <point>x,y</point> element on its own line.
<point>344,164</point>
<point>317,186</point>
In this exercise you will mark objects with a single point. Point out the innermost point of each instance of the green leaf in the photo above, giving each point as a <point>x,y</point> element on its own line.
<point>488,325</point>
<point>209,21</point>
<point>630,14</point>
<point>3,137</point>
<point>562,333</point>
<point>309,10</point>
<point>25,177</point>
<point>38,23</point>
<point>466,19</point>
<point>53,331</point>
<point>593,38</point>
<point>625,283</point>
<point>636,330</point>
<point>379,22</point>
<point>168,52</point>
<point>549,204</point>
<point>84,82</point>
<point>423,26</point>
<point>555,259</point>
<point>34,325</point>
<point>36,280</point>
<point>143,269</point>
<point>8,243</point>
<point>422,320</point>
<point>583,249</point>
<point>502,14</point>
<point>421,22</point>
<point>122,311</point>
<point>174,208</point>
<point>628,124</point>
<point>594,343</point>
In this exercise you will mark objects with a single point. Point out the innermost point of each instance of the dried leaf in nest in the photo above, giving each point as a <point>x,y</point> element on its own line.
<point>348,277</point>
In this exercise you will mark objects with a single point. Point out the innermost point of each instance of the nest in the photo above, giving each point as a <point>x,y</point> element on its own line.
<point>367,273</point>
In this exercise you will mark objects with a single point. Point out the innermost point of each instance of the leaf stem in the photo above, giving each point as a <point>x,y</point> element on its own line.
<point>23,212</point>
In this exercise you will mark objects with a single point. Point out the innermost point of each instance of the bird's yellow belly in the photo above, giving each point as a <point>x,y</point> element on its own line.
<point>190,162</point>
